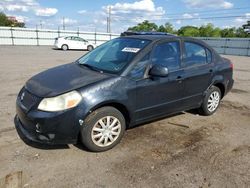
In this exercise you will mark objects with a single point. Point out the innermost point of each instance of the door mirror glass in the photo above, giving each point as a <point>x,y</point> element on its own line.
<point>158,71</point>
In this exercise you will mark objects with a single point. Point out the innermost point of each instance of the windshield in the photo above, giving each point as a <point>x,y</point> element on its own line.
<point>114,55</point>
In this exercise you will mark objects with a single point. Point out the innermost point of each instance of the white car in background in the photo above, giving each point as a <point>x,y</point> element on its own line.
<point>73,42</point>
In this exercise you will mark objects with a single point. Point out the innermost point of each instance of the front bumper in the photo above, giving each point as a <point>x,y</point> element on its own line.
<point>48,127</point>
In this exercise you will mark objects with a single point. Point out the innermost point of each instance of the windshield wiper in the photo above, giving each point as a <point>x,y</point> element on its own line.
<point>91,67</point>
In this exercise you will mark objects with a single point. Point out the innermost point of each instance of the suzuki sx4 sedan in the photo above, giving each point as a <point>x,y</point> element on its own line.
<point>127,81</point>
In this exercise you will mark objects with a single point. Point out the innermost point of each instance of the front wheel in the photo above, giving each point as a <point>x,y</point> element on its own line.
<point>90,48</point>
<point>211,101</point>
<point>103,129</point>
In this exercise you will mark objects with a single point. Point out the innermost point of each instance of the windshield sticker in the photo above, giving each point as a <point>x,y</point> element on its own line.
<point>132,50</point>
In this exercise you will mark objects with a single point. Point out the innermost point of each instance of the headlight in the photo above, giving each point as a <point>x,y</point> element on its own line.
<point>61,102</point>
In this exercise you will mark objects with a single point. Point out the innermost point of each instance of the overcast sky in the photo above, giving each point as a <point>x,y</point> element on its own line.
<point>90,15</point>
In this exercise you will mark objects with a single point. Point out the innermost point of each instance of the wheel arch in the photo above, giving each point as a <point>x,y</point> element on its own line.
<point>64,45</point>
<point>119,106</point>
<point>221,87</point>
<point>218,81</point>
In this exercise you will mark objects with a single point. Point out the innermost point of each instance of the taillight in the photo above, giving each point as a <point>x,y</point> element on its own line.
<point>231,65</point>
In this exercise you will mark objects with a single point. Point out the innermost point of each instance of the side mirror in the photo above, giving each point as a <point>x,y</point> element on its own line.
<point>158,71</point>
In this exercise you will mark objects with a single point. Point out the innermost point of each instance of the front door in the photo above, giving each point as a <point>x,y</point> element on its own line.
<point>156,96</point>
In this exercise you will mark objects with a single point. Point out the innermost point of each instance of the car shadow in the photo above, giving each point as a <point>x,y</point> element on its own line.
<point>80,146</point>
<point>58,49</point>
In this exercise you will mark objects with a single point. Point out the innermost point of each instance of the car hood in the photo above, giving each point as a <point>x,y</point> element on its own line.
<point>62,79</point>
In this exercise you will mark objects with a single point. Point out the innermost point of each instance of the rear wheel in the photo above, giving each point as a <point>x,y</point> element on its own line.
<point>211,101</point>
<point>65,47</point>
<point>103,129</point>
<point>90,48</point>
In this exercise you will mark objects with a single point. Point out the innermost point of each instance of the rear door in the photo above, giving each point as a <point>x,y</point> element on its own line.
<point>156,96</point>
<point>198,71</point>
<point>81,43</point>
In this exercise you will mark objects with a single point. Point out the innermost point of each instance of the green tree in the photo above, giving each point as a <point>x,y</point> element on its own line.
<point>168,28</point>
<point>4,21</point>
<point>228,32</point>
<point>209,31</point>
<point>240,33</point>
<point>144,26</point>
<point>189,31</point>
<point>204,31</point>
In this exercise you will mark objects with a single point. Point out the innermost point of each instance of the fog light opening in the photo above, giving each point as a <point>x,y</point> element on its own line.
<point>38,128</point>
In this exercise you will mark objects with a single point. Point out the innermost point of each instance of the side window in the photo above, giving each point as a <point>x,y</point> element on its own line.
<point>195,54</point>
<point>167,55</point>
<point>140,67</point>
<point>68,38</point>
<point>80,39</point>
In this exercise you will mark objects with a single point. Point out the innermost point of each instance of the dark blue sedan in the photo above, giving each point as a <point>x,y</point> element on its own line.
<point>127,81</point>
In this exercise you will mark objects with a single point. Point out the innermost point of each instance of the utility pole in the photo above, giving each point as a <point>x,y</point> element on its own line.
<point>63,23</point>
<point>109,20</point>
<point>41,24</point>
<point>107,25</point>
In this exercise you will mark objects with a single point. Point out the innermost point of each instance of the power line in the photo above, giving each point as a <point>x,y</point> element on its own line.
<point>209,11</point>
<point>194,18</point>
<point>201,12</point>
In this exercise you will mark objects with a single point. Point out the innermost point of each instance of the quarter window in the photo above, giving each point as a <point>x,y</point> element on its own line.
<point>167,55</point>
<point>195,54</point>
<point>140,67</point>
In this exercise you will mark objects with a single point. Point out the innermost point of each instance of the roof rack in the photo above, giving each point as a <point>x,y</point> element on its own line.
<point>128,33</point>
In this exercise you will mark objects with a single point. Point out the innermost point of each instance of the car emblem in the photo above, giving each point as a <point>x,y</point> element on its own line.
<point>22,96</point>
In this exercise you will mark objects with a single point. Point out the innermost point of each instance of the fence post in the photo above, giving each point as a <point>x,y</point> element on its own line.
<point>225,46</point>
<point>37,38</point>
<point>248,49</point>
<point>58,31</point>
<point>12,37</point>
<point>95,37</point>
<point>110,36</point>
<point>78,32</point>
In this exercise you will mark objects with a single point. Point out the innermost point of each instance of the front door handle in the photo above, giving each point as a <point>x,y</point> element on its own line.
<point>179,79</point>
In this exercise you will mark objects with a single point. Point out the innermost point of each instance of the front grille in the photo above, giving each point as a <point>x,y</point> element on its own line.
<point>27,99</point>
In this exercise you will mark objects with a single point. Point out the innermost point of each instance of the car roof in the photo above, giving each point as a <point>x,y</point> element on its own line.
<point>152,37</point>
<point>155,38</point>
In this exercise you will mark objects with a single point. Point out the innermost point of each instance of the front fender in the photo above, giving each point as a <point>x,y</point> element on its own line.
<point>117,90</point>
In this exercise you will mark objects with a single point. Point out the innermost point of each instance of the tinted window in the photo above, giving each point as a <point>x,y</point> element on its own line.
<point>195,54</point>
<point>114,55</point>
<point>139,69</point>
<point>167,55</point>
<point>68,38</point>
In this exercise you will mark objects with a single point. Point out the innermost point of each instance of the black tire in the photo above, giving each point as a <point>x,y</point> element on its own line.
<point>87,130</point>
<point>204,109</point>
<point>65,47</point>
<point>90,48</point>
